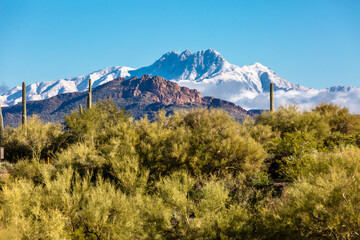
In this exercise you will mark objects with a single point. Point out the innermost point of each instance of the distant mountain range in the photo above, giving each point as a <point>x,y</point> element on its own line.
<point>209,73</point>
<point>140,96</point>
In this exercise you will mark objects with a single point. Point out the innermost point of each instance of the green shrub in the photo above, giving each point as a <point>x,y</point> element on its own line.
<point>290,119</point>
<point>337,139</point>
<point>323,129</point>
<point>66,205</point>
<point>339,119</point>
<point>261,133</point>
<point>322,203</point>
<point>79,156</point>
<point>32,140</point>
<point>102,119</point>
<point>289,153</point>
<point>200,142</point>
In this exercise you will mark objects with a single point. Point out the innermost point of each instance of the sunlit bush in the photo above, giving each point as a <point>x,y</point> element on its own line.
<point>32,140</point>
<point>200,142</point>
<point>339,118</point>
<point>322,203</point>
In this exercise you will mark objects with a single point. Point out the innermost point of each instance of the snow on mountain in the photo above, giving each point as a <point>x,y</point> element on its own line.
<point>208,72</point>
<point>247,86</point>
<point>208,69</point>
<point>44,90</point>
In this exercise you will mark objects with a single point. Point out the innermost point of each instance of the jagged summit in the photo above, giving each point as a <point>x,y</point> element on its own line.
<point>186,65</point>
<point>206,68</point>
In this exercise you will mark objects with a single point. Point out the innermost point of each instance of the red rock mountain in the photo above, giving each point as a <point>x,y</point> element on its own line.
<point>141,96</point>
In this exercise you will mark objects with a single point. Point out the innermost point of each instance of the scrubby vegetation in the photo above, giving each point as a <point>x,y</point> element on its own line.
<point>192,175</point>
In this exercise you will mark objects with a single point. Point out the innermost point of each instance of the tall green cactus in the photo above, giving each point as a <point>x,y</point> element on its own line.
<point>81,110</point>
<point>89,100</point>
<point>1,126</point>
<point>271,97</point>
<point>23,103</point>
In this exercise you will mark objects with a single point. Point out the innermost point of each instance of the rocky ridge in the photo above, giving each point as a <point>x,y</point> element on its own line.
<point>140,96</point>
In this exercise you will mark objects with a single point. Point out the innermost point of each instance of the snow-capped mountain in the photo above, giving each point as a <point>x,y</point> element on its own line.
<point>209,67</point>
<point>208,72</point>
<point>45,90</point>
<point>205,70</point>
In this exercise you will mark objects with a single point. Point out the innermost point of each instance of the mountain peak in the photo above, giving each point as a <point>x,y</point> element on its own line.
<point>169,54</point>
<point>210,53</point>
<point>213,51</point>
<point>258,66</point>
<point>187,52</point>
<point>187,65</point>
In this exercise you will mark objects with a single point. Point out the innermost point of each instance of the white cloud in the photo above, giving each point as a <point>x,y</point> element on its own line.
<point>304,99</point>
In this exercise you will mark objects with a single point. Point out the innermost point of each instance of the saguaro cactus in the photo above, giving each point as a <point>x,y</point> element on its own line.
<point>271,97</point>
<point>81,110</point>
<point>89,100</point>
<point>1,126</point>
<point>23,103</point>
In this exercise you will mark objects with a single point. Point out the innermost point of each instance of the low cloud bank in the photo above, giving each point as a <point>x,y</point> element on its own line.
<point>304,100</point>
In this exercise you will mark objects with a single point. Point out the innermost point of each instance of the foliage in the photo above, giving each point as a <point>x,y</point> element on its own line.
<point>201,142</point>
<point>322,203</point>
<point>323,129</point>
<point>192,175</point>
<point>32,140</point>
<point>339,119</point>
<point>95,122</point>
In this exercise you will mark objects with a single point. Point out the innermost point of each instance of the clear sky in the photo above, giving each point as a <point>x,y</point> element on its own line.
<point>315,43</point>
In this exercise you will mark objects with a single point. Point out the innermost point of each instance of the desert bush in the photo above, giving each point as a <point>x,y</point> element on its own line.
<point>289,153</point>
<point>105,139</point>
<point>261,133</point>
<point>323,129</point>
<point>32,140</point>
<point>205,207</point>
<point>30,169</point>
<point>289,119</point>
<point>24,215</point>
<point>337,139</point>
<point>126,172</point>
<point>322,203</point>
<point>121,168</point>
<point>200,142</point>
<point>174,190</point>
<point>339,118</point>
<point>79,156</point>
<point>95,122</point>
<point>68,206</point>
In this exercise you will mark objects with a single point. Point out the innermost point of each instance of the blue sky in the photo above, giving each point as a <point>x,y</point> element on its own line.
<point>313,43</point>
